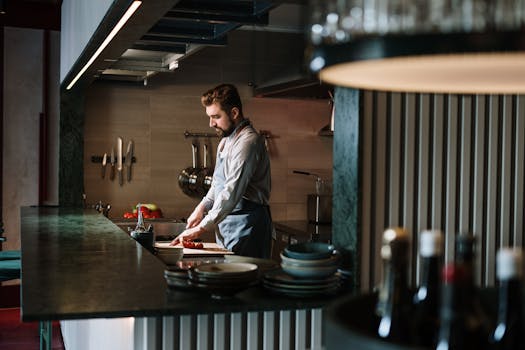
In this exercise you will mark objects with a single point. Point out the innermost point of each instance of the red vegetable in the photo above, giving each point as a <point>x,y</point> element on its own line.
<point>192,245</point>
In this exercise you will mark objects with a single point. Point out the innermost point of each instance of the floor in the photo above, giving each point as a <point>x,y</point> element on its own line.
<point>17,335</point>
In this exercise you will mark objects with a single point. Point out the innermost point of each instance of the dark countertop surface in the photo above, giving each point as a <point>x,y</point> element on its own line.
<point>77,264</point>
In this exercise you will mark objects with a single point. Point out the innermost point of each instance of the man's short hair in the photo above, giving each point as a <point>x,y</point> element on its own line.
<point>226,95</point>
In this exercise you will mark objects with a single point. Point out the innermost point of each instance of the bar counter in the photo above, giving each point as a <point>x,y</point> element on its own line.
<point>77,264</point>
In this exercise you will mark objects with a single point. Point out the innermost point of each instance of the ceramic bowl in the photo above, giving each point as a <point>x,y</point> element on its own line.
<point>334,259</point>
<point>170,256</point>
<point>309,250</point>
<point>309,271</point>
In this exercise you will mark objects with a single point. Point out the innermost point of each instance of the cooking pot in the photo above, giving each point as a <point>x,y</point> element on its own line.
<point>187,177</point>
<point>205,174</point>
<point>319,208</point>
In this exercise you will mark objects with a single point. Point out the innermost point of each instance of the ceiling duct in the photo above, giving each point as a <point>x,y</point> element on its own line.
<point>185,29</point>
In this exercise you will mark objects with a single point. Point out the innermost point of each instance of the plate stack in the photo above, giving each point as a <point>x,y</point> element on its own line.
<point>223,279</point>
<point>308,269</point>
<point>177,278</point>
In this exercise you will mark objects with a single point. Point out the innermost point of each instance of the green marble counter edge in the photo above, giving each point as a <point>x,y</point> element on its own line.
<point>77,264</point>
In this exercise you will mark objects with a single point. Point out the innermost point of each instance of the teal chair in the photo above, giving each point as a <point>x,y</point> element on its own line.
<point>9,262</point>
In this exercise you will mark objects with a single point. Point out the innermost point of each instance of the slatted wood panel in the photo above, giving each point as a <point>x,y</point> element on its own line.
<point>286,329</point>
<point>450,162</point>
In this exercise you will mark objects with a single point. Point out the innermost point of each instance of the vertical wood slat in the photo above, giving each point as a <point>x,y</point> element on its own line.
<point>437,164</point>
<point>394,156</point>
<point>168,333</point>
<point>380,208</point>
<point>450,205</point>
<point>519,172</point>
<point>479,168</point>
<point>300,329</point>
<point>202,332</point>
<point>252,330</point>
<point>466,175</point>
<point>219,331</point>
<point>268,330</point>
<point>409,167</point>
<point>316,325</point>
<point>285,322</point>
<point>423,172</point>
<point>492,191</point>
<point>465,164</point>
<point>236,331</point>
<point>368,187</point>
<point>185,334</point>
<point>506,173</point>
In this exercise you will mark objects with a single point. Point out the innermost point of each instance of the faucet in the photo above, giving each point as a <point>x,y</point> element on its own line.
<point>99,206</point>
<point>103,208</point>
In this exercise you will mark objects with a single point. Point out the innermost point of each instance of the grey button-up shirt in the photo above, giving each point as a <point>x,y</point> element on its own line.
<point>246,167</point>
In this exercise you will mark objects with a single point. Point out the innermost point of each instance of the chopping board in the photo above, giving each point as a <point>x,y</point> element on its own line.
<point>210,249</point>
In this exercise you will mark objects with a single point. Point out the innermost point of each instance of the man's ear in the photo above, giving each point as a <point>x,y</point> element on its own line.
<point>235,113</point>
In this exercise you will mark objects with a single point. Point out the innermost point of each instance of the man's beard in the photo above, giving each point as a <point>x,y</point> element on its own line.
<point>227,132</point>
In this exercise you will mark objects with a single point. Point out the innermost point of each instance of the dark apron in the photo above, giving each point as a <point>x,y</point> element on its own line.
<point>247,230</point>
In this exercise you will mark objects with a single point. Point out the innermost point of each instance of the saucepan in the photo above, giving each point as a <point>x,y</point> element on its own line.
<point>187,177</point>
<point>206,173</point>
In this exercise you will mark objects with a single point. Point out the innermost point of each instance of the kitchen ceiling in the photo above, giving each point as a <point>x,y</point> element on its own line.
<point>186,28</point>
<point>166,32</point>
<point>163,33</point>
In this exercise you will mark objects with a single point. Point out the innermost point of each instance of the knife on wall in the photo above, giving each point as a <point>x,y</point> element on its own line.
<point>104,162</point>
<point>112,162</point>
<point>129,159</point>
<point>119,160</point>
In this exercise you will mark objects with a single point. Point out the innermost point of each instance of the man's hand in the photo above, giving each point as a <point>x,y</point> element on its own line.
<point>188,235</point>
<point>196,217</point>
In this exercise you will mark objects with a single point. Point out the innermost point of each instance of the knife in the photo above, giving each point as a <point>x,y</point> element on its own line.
<point>129,158</point>
<point>112,162</point>
<point>119,160</point>
<point>104,162</point>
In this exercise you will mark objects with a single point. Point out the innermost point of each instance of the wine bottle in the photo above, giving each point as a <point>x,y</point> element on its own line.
<point>393,306</point>
<point>464,324</point>
<point>425,321</point>
<point>507,333</point>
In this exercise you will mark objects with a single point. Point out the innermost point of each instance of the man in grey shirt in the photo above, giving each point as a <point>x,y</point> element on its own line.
<point>237,201</point>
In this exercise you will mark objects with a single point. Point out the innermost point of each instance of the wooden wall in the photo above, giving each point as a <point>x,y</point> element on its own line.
<point>155,118</point>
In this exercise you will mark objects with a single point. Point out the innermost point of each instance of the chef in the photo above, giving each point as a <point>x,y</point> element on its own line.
<point>237,201</point>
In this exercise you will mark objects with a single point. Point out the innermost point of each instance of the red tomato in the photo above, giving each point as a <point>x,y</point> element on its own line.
<point>155,214</point>
<point>192,245</point>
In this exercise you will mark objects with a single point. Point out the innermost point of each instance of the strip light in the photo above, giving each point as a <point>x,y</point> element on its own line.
<point>131,10</point>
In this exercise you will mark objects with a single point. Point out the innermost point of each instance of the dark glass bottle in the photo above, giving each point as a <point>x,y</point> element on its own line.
<point>394,304</point>
<point>508,332</point>
<point>425,320</point>
<point>464,324</point>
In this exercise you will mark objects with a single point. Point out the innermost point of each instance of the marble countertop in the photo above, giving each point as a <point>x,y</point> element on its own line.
<point>77,264</point>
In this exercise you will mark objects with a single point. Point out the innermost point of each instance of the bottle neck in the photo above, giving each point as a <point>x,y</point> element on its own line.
<point>430,272</point>
<point>509,299</point>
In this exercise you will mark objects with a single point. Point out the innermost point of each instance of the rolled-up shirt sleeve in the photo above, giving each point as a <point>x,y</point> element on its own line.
<point>239,166</point>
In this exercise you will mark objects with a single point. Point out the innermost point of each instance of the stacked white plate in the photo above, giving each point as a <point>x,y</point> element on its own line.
<point>223,279</point>
<point>308,269</point>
